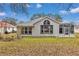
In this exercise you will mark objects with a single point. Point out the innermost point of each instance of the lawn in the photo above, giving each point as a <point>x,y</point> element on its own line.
<point>41,46</point>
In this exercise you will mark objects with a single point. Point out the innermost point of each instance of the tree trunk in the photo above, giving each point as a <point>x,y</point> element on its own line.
<point>19,32</point>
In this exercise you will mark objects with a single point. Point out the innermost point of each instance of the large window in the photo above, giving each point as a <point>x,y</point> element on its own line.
<point>61,29</point>
<point>46,28</point>
<point>72,29</point>
<point>51,29</point>
<point>26,30</point>
<point>66,29</point>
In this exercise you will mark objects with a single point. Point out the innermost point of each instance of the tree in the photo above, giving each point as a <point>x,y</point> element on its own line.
<point>15,7</point>
<point>35,16</point>
<point>58,17</point>
<point>19,8</point>
<point>20,22</point>
<point>10,20</point>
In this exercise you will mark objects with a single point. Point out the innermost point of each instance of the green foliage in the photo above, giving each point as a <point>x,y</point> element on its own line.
<point>35,16</point>
<point>58,17</point>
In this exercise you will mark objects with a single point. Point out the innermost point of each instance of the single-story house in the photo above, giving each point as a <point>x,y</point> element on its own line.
<point>6,27</point>
<point>76,28</point>
<point>45,26</point>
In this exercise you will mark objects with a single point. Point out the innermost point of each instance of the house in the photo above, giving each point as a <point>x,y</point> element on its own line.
<point>6,27</point>
<point>76,28</point>
<point>45,26</point>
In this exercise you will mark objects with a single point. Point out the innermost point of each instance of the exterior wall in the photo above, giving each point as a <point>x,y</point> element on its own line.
<point>11,29</point>
<point>1,30</point>
<point>15,29</point>
<point>63,35</point>
<point>36,29</point>
<point>76,30</point>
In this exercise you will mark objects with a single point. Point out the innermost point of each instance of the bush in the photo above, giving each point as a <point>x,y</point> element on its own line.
<point>6,32</point>
<point>9,38</point>
<point>12,38</point>
<point>13,31</point>
<point>1,38</point>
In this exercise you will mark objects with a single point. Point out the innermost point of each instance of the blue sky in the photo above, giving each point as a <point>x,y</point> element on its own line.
<point>71,14</point>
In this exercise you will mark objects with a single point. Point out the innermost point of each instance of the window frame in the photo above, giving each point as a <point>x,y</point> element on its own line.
<point>43,28</point>
<point>24,30</point>
<point>61,27</point>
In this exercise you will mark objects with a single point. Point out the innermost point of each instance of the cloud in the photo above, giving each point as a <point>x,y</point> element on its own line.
<point>63,12</point>
<point>38,5</point>
<point>66,21</point>
<point>2,13</point>
<point>75,10</point>
<point>14,14</point>
<point>28,5</point>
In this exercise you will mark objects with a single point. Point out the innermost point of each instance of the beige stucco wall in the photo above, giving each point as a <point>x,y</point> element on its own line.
<point>36,29</point>
<point>1,30</point>
<point>76,30</point>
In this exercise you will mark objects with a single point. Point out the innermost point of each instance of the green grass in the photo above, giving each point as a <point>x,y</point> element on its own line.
<point>41,46</point>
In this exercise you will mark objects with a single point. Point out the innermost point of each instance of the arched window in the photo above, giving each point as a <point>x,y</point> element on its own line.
<point>46,28</point>
<point>46,22</point>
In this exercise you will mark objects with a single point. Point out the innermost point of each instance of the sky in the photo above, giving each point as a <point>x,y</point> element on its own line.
<point>70,14</point>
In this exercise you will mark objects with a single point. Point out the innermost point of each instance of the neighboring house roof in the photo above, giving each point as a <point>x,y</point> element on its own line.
<point>5,24</point>
<point>33,22</point>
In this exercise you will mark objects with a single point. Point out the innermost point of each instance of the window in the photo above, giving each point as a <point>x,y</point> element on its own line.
<point>46,22</point>
<point>66,29</point>
<point>51,29</point>
<point>46,28</point>
<point>72,29</point>
<point>26,30</point>
<point>41,29</point>
<point>30,30</point>
<point>60,29</point>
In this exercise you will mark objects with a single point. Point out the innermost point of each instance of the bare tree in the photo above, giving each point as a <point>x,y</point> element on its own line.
<point>19,8</point>
<point>15,7</point>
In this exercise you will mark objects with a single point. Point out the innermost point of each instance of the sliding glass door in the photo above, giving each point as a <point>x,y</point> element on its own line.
<point>66,30</point>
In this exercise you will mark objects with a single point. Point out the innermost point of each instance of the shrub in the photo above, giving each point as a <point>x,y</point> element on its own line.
<point>6,32</point>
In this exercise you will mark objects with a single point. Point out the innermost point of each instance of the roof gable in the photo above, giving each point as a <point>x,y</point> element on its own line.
<point>49,18</point>
<point>5,24</point>
<point>33,22</point>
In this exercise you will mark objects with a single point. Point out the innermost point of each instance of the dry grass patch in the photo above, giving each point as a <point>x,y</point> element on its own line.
<point>42,46</point>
